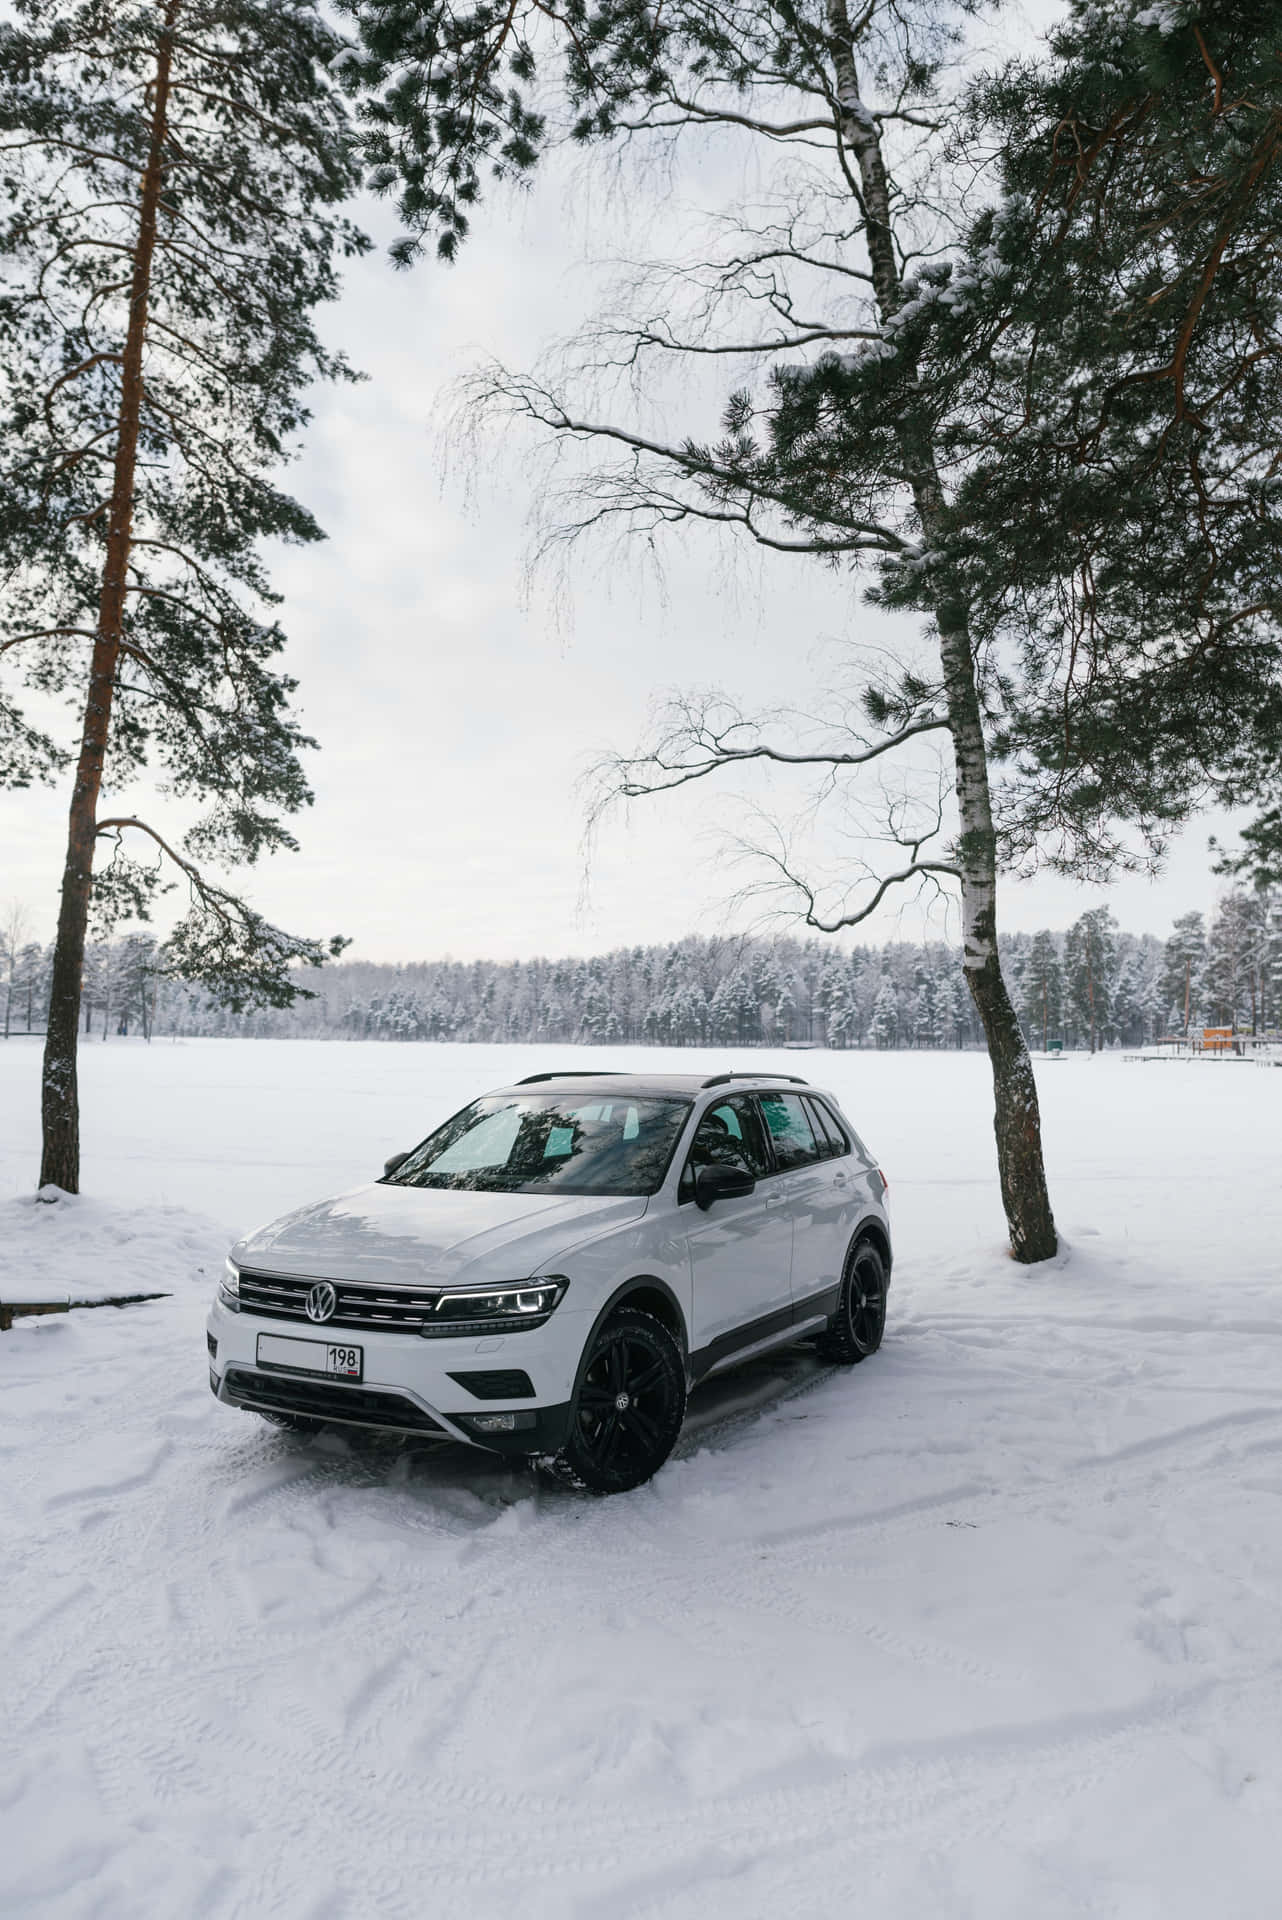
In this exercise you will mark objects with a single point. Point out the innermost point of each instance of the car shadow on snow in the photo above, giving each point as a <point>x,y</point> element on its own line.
<point>716,1408</point>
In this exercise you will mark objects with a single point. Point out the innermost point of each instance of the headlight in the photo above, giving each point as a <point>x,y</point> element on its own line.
<point>527,1303</point>
<point>229,1286</point>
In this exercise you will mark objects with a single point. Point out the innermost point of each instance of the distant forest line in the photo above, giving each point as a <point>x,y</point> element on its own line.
<point>1093,985</point>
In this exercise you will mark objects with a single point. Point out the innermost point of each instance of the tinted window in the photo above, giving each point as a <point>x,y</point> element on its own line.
<point>535,1143</point>
<point>791,1133</point>
<point>729,1135</point>
<point>826,1126</point>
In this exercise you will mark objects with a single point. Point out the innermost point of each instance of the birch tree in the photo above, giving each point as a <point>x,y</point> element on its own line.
<point>849,109</point>
<point>172,173</point>
<point>1016,352</point>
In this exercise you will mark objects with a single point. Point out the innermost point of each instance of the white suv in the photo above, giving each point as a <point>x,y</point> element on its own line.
<point>552,1270</point>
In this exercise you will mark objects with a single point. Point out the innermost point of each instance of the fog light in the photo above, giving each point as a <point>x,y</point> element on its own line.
<point>495,1422</point>
<point>212,1344</point>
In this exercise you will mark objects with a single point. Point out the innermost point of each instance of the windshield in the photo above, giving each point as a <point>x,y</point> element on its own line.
<point>542,1142</point>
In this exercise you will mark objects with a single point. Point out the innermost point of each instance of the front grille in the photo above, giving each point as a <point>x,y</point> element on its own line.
<point>500,1383</point>
<point>325,1400</point>
<point>279,1296</point>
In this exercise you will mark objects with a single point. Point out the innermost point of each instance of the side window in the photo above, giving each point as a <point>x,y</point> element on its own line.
<point>826,1123</point>
<point>791,1133</point>
<point>729,1134</point>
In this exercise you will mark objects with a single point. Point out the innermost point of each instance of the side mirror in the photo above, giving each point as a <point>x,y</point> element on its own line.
<point>721,1183</point>
<point>390,1166</point>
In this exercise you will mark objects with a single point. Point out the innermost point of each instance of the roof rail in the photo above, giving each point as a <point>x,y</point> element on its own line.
<point>583,1073</point>
<point>720,1079</point>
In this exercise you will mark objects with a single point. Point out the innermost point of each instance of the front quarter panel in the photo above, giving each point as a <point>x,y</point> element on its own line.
<point>637,1250</point>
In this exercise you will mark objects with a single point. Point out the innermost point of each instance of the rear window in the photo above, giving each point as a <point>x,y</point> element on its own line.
<point>828,1127</point>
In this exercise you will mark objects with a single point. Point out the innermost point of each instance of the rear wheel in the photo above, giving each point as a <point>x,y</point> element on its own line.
<point>857,1326</point>
<point>629,1406</point>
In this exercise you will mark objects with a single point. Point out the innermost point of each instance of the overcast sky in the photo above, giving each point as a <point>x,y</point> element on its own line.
<point>458,710</point>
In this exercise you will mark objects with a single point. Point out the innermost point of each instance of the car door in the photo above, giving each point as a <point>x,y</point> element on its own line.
<point>740,1249</point>
<point>816,1197</point>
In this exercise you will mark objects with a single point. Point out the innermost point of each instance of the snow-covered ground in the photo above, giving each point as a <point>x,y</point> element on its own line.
<point>986,1629</point>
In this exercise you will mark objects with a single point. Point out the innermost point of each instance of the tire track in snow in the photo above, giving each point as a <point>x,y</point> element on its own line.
<point>421,1739</point>
<point>1177,1436</point>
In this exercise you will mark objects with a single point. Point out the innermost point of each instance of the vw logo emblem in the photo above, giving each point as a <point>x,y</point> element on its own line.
<point>322,1301</point>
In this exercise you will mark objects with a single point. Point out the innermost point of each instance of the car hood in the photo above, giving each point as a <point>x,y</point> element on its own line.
<point>391,1234</point>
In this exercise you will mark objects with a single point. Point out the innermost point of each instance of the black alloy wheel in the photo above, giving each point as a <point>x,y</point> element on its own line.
<point>629,1406</point>
<point>857,1326</point>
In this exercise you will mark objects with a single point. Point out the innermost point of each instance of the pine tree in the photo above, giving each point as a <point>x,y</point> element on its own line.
<point>885,1017</point>
<point>171,172</point>
<point>946,1011</point>
<point>1043,990</point>
<point>836,1003</point>
<point>1272,968</point>
<point>1127,1011</point>
<point>785,1009</point>
<point>136,981</point>
<point>33,984</point>
<point>1114,330</point>
<point>12,929</point>
<point>1236,964</point>
<point>1180,977</point>
<point>1089,961</point>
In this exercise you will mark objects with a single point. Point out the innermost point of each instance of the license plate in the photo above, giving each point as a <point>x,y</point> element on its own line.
<point>310,1356</point>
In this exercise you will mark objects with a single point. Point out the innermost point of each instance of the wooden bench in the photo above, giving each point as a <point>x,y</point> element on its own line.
<point>11,1309</point>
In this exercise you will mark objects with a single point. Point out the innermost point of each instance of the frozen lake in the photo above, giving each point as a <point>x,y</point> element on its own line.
<point>986,1627</point>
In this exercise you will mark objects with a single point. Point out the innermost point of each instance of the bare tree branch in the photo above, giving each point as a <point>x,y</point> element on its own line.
<point>718,754</point>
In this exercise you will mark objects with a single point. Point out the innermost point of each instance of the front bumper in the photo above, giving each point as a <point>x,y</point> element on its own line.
<point>407,1386</point>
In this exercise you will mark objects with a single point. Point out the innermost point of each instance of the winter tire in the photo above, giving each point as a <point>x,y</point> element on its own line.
<point>629,1406</point>
<point>856,1328</point>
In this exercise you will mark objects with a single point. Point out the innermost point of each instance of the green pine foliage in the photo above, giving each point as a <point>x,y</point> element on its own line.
<point>451,95</point>
<point>256,164</point>
<point>1105,356</point>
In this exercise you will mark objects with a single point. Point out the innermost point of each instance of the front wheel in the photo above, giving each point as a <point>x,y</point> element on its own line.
<point>629,1406</point>
<point>857,1326</point>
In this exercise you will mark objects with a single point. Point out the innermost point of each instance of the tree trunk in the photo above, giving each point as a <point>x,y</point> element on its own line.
<point>1016,1114</point>
<point>60,1099</point>
<point>1017,1117</point>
